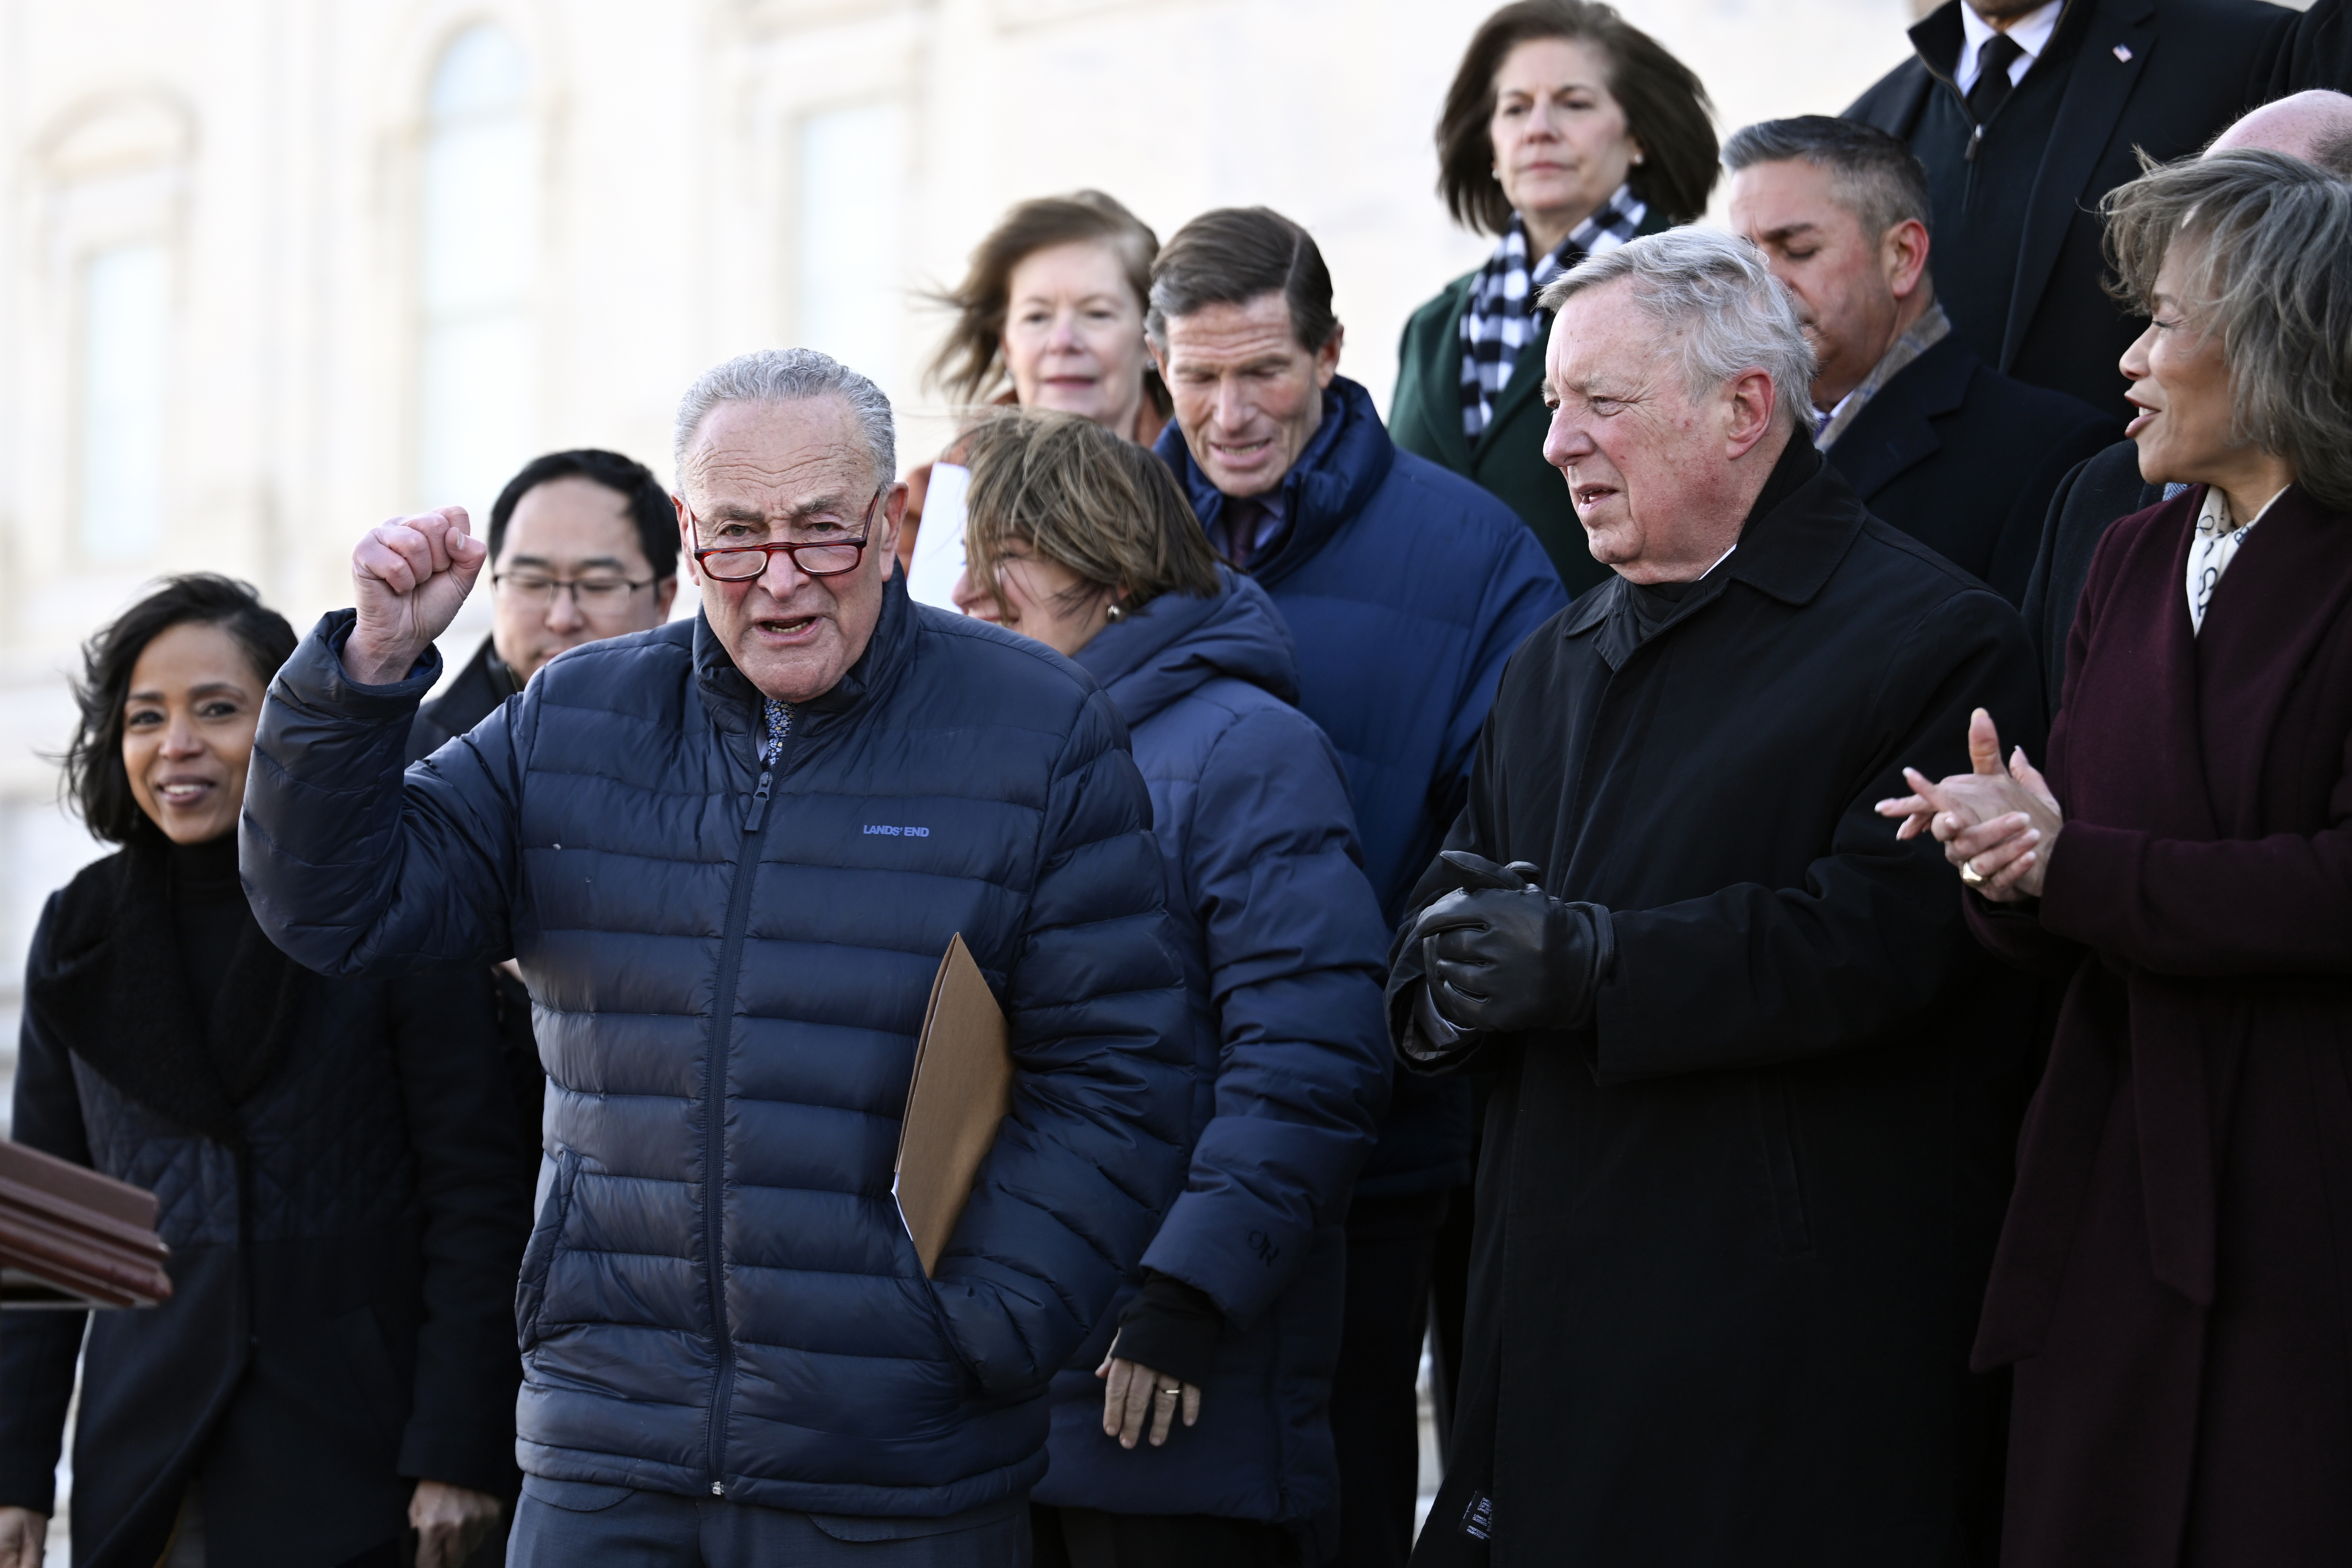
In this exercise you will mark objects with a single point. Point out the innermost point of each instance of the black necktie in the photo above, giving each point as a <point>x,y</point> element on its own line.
<point>1985,98</point>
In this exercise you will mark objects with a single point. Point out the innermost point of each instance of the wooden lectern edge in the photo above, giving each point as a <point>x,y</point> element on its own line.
<point>77,1240</point>
<point>35,1200</point>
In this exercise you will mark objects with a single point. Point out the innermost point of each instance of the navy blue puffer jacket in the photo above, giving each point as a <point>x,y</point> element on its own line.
<point>1284,944</point>
<point>1405,587</point>
<point>719,1296</point>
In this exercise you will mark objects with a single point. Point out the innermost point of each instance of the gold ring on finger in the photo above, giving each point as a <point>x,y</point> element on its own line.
<point>1969,875</point>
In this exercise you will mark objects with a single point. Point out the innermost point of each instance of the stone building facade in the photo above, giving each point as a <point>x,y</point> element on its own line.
<point>271,270</point>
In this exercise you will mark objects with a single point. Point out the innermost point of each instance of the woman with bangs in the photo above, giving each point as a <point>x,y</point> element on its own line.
<point>1567,132</point>
<point>1049,316</point>
<point>1194,1427</point>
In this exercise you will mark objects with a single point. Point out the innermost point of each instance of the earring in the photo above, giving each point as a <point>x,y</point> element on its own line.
<point>1114,613</point>
<point>1637,160</point>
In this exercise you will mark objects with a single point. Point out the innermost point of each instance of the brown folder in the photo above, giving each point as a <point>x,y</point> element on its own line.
<point>962,1088</point>
<point>72,1238</point>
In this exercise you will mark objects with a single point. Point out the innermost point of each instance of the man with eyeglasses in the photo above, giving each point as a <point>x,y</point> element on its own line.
<point>584,546</point>
<point>1406,588</point>
<point>727,854</point>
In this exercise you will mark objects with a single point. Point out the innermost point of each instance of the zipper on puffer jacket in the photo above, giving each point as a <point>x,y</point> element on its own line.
<point>722,1032</point>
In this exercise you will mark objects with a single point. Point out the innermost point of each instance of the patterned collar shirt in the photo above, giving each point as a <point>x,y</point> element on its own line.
<point>1502,318</point>
<point>1926,332</point>
<point>2214,548</point>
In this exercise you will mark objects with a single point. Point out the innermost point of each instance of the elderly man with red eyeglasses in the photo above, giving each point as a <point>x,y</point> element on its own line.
<point>732,1351</point>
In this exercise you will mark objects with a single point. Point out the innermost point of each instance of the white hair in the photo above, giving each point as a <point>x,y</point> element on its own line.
<point>1709,294</point>
<point>789,375</point>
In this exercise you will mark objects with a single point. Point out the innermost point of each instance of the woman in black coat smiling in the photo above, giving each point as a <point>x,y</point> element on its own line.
<point>335,1164</point>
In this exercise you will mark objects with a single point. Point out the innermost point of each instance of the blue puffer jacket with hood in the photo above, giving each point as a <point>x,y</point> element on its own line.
<point>1406,588</point>
<point>728,968</point>
<point>1283,946</point>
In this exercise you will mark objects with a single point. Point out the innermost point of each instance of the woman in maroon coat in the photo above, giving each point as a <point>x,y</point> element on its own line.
<point>2174,1283</point>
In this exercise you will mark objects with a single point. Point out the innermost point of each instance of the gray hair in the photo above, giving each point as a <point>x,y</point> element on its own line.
<point>2268,255</point>
<point>1710,294</point>
<point>788,375</point>
<point>1872,175</point>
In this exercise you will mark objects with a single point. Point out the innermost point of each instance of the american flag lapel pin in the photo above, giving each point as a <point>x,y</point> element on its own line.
<point>2122,52</point>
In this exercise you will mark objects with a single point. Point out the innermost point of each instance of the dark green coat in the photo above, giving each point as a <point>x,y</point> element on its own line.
<point>1425,417</point>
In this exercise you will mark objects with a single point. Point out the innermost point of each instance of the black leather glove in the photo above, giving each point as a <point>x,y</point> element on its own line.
<point>1503,955</point>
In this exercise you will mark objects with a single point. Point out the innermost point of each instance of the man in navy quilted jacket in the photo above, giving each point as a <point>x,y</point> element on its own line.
<point>727,855</point>
<point>1406,588</point>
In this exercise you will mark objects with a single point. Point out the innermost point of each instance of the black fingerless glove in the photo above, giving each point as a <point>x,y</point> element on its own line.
<point>1172,1328</point>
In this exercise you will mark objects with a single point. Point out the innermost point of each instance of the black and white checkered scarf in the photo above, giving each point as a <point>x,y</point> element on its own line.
<point>1501,319</point>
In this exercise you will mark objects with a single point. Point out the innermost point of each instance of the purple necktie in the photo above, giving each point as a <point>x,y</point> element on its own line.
<point>1241,523</point>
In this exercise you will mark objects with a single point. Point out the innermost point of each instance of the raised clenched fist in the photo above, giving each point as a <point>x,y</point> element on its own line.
<point>408,577</point>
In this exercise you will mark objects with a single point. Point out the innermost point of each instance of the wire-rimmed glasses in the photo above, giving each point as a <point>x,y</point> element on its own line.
<point>594,597</point>
<point>745,562</point>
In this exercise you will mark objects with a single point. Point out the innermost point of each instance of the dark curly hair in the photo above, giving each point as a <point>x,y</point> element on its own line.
<point>1666,104</point>
<point>95,782</point>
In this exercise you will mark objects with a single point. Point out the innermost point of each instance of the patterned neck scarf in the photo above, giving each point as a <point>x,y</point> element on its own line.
<point>1930,329</point>
<point>2214,548</point>
<point>780,725</point>
<point>1501,318</point>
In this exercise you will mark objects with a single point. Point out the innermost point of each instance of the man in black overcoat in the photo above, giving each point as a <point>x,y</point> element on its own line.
<point>2019,155</point>
<point>584,546</point>
<point>1755,1087</point>
<point>1931,438</point>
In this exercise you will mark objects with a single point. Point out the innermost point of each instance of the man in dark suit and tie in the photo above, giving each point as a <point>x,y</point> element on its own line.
<point>2026,112</point>
<point>1953,453</point>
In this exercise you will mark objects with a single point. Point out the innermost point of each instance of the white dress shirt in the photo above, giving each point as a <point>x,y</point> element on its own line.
<point>2030,34</point>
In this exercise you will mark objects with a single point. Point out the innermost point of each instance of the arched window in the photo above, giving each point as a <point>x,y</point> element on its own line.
<point>113,174</point>
<point>477,245</point>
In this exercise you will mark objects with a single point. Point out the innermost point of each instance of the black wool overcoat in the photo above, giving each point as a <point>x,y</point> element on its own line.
<point>344,1244</point>
<point>1965,460</point>
<point>2174,1285</point>
<point>480,689</point>
<point>2094,493</point>
<point>1731,1239</point>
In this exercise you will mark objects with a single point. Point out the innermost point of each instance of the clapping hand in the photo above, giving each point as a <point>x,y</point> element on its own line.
<point>1997,824</point>
<point>409,576</point>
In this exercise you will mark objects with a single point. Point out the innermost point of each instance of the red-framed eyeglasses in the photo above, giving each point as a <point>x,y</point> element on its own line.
<point>743,563</point>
